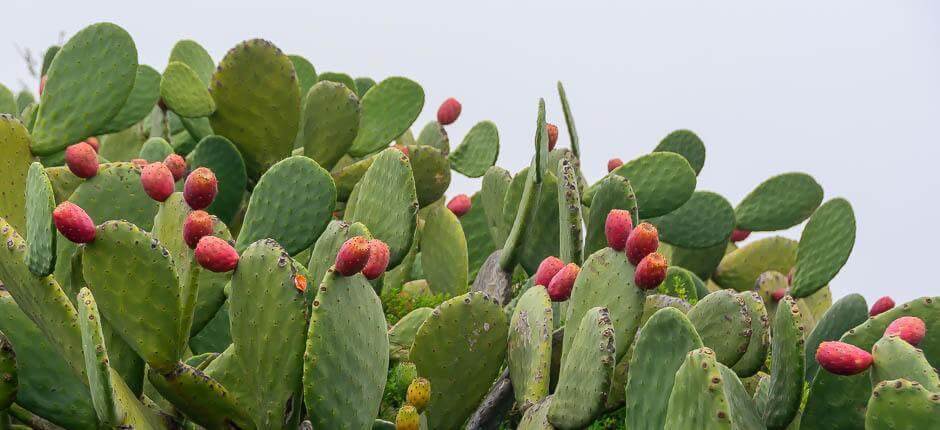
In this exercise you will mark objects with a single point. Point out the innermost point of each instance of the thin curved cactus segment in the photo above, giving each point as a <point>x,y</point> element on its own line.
<point>340,78</point>
<point>740,269</point>
<point>660,349</point>
<point>478,150</point>
<point>530,346</point>
<point>606,279</point>
<point>493,196</point>
<point>569,121</point>
<point>687,144</point>
<point>613,192</point>
<point>825,245</point>
<point>724,323</point>
<point>894,358</point>
<point>222,157</point>
<point>87,85</point>
<point>901,404</point>
<point>326,247</point>
<point>444,255</point>
<point>705,220</point>
<point>96,359</point>
<point>778,203</point>
<point>330,122</point>
<point>846,313</point>
<point>570,244</point>
<point>663,181</point>
<point>387,203</point>
<point>306,74</point>
<point>536,416</point>
<point>120,248</point>
<point>291,203</point>
<point>243,103</point>
<point>8,103</point>
<point>14,141</point>
<point>184,92</point>
<point>402,335</point>
<point>192,54</point>
<point>756,354</point>
<point>698,399</point>
<point>40,201</point>
<point>462,371</point>
<point>540,227</point>
<point>743,409</point>
<point>786,368</point>
<point>344,376</point>
<point>431,171</point>
<point>433,134</point>
<point>155,149</point>
<point>201,398</point>
<point>140,101</point>
<point>388,109</point>
<point>584,380</point>
<point>477,235</point>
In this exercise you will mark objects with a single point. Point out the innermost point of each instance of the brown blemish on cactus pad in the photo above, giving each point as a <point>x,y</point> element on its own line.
<point>300,282</point>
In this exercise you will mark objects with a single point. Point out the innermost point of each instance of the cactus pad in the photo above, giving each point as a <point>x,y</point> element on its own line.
<point>780,202</point>
<point>40,201</point>
<point>740,268</point>
<point>723,321</point>
<point>433,134</point>
<point>222,157</point>
<point>431,171</point>
<point>478,150</point>
<point>663,181</point>
<point>330,122</point>
<point>402,335</point>
<point>192,54</point>
<point>184,93</point>
<point>753,359</point>
<point>14,141</point>
<point>613,192</point>
<point>530,346</point>
<point>388,109</point>
<point>844,314</point>
<point>786,369</point>
<point>339,78</point>
<point>687,144</point>
<point>825,245</point>
<point>306,74</point>
<point>444,252</point>
<point>901,404</point>
<point>894,358</point>
<point>705,220</point>
<point>96,359</point>
<point>698,398</point>
<point>139,102</point>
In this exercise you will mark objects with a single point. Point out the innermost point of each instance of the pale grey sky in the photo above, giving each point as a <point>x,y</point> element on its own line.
<point>848,91</point>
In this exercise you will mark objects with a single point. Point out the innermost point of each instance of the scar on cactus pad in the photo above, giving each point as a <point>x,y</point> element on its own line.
<point>73,223</point>
<point>82,160</point>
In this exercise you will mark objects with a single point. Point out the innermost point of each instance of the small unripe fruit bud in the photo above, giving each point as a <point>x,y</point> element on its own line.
<point>617,228</point>
<point>559,288</point>
<point>643,240</point>
<point>352,256</point>
<point>459,205</point>
<point>419,393</point>
<point>881,305</point>
<point>82,160</point>
<point>157,181</point>
<point>407,418</point>
<point>842,358</point>
<point>216,255</point>
<point>140,163</point>
<point>198,224</point>
<point>613,164</point>
<point>552,135</point>
<point>547,270</point>
<point>911,329</point>
<point>42,84</point>
<point>200,188</point>
<point>378,259</point>
<point>739,235</point>
<point>651,271</point>
<point>73,223</point>
<point>402,148</point>
<point>177,166</point>
<point>93,141</point>
<point>778,294</point>
<point>449,111</point>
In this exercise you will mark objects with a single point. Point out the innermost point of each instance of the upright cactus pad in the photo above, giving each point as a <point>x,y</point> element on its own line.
<point>478,150</point>
<point>530,346</point>
<point>444,254</point>
<point>663,181</point>
<point>184,92</point>
<point>786,369</point>
<point>825,246</point>
<point>139,102</point>
<point>779,203</point>
<point>96,359</point>
<point>339,78</point>
<point>330,122</point>
<point>192,54</point>
<point>614,192</point>
<point>493,194</point>
<point>433,134</point>
<point>40,201</point>
<point>755,355</point>
<point>894,358</point>
<point>902,404</point>
<point>705,220</point>
<point>687,144</point>
<point>698,399</point>
<point>306,74</point>
<point>14,141</point>
<point>222,157</point>
<point>402,335</point>
<point>723,321</point>
<point>431,171</point>
<point>844,314</point>
<point>388,109</point>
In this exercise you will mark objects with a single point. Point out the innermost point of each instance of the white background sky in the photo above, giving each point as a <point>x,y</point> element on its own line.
<point>848,91</point>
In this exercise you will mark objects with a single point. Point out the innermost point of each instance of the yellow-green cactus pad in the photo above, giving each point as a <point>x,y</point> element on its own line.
<point>740,268</point>
<point>184,93</point>
<point>196,57</point>
<point>14,141</point>
<point>330,122</point>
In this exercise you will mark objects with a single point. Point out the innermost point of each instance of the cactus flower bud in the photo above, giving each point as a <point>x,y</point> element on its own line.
<point>559,288</point>
<point>842,358</point>
<point>651,271</point>
<point>200,188</point>
<point>738,235</point>
<point>378,259</point>
<point>73,223</point>
<point>177,166</point>
<point>617,228</point>
<point>643,240</point>
<point>216,255</point>
<point>552,135</point>
<point>198,224</point>
<point>157,180</point>
<point>881,305</point>
<point>353,256</point>
<point>449,111</point>
<point>82,160</point>
<point>911,329</point>
<point>459,205</point>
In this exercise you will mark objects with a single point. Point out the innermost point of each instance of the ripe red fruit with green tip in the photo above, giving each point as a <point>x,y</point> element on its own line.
<point>459,205</point>
<point>353,256</point>
<point>200,188</point>
<point>157,181</point>
<point>93,141</point>
<point>198,224</point>
<point>73,223</point>
<point>140,163</point>
<point>177,166</point>
<point>842,359</point>
<point>613,164</point>
<point>547,270</point>
<point>378,259</point>
<point>651,271</point>
<point>617,228</point>
<point>881,305</point>
<point>552,135</point>
<point>643,240</point>
<point>82,160</point>
<point>911,329</point>
<point>449,111</point>
<point>559,288</point>
<point>778,294</point>
<point>216,255</point>
<point>739,235</point>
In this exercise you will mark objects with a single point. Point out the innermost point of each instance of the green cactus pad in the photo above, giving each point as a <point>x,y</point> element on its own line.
<point>139,102</point>
<point>292,203</point>
<point>363,85</point>
<point>40,201</point>
<point>661,347</point>
<point>444,252</point>
<point>402,335</point>
<point>847,312</point>
<point>723,321</point>
<point>63,182</point>
<point>222,157</point>
<point>346,360</point>
<point>306,74</point>
<point>701,262</point>
<point>742,406</point>
<point>96,359</point>
<point>184,93</point>
<point>570,244</point>
<point>530,346</point>
<point>326,247</point>
<point>8,101</point>
<point>433,134</point>
<point>155,149</point>
<point>192,54</point>
<point>479,241</point>
<point>478,150</point>
<point>348,176</point>
<point>388,109</point>
<point>96,196</point>
<point>780,202</point>
<point>680,283</point>
<point>894,358</point>
<point>613,192</point>
<point>569,121</point>
<point>786,368</point>
<point>243,103</point>
<point>431,171</point>
<point>540,229</point>
<point>387,204</point>
<point>901,404</point>
<point>8,374</point>
<point>705,220</point>
<point>461,371</point>
<point>755,356</point>
<point>14,141</point>
<point>493,195</point>
<point>663,181</point>
<point>698,399</point>
<point>825,245</point>
<point>24,99</point>
<point>201,398</point>
<point>340,78</point>
<point>330,122</point>
<point>740,268</point>
<point>124,145</point>
<point>687,144</point>
<point>196,130</point>
<point>216,336</point>
<point>88,83</point>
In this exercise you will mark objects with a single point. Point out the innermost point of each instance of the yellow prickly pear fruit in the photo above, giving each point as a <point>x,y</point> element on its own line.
<point>407,419</point>
<point>419,393</point>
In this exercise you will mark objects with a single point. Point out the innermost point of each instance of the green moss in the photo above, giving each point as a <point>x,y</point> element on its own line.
<point>397,304</point>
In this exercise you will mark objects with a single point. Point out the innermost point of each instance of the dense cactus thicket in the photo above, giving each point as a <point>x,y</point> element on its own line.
<point>255,244</point>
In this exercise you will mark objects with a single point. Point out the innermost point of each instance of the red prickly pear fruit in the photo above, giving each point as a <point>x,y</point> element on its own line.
<point>613,164</point>
<point>911,329</point>
<point>617,228</point>
<point>300,282</point>
<point>200,188</point>
<point>407,418</point>
<point>177,166</point>
<point>881,305</point>
<point>449,111</point>
<point>198,224</point>
<point>93,141</point>
<point>643,240</point>
<point>216,255</point>
<point>559,288</point>
<point>353,256</point>
<point>842,359</point>
<point>778,294</point>
<point>378,259</point>
<point>157,180</point>
<point>738,235</point>
<point>552,135</point>
<point>651,271</point>
<point>73,223</point>
<point>140,163</point>
<point>547,270</point>
<point>42,84</point>
<point>459,205</point>
<point>82,160</point>
<point>402,148</point>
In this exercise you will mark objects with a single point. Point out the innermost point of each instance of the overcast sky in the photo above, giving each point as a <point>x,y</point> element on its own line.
<point>848,91</point>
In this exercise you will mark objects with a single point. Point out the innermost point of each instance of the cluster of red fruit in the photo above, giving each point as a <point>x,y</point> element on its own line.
<point>359,254</point>
<point>842,358</point>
